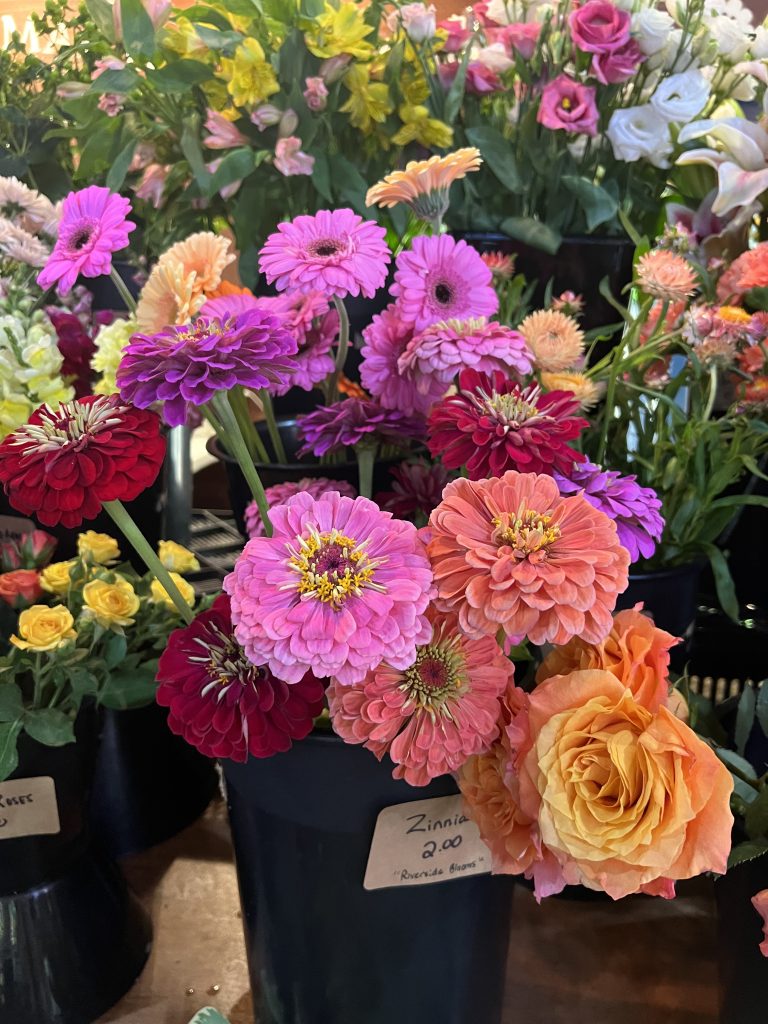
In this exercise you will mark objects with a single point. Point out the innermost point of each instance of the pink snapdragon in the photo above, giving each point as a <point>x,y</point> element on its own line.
<point>568,105</point>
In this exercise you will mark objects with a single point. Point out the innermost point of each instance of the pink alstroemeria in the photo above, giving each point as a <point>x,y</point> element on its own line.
<point>106,64</point>
<point>266,116</point>
<point>226,191</point>
<point>158,11</point>
<point>289,158</point>
<point>316,93</point>
<point>223,134</point>
<point>152,183</point>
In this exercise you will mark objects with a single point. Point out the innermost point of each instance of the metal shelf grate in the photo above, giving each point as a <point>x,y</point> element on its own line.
<point>217,542</point>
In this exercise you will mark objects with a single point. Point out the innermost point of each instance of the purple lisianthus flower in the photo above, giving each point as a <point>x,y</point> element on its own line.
<point>352,421</point>
<point>193,362</point>
<point>633,508</point>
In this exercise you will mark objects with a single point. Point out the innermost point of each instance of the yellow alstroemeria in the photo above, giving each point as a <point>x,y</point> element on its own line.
<point>339,30</point>
<point>249,76</point>
<point>419,127</point>
<point>415,89</point>
<point>368,101</point>
<point>180,36</point>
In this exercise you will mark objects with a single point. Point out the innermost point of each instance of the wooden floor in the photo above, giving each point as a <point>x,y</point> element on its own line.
<point>640,961</point>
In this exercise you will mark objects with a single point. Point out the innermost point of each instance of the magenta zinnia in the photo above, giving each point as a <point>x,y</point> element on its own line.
<point>334,252</point>
<point>433,715</point>
<point>339,586</point>
<point>193,362</point>
<point>280,493</point>
<point>93,226</point>
<point>331,428</point>
<point>493,424</point>
<point>442,279</point>
<point>221,703</point>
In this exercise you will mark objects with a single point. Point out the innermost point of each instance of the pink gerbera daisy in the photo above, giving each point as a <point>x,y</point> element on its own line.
<point>334,252</point>
<point>433,715</point>
<point>339,586</point>
<point>386,339</point>
<point>93,226</point>
<point>442,279</point>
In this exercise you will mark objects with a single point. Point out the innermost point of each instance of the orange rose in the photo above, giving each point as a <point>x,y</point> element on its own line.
<point>20,588</point>
<point>635,651</point>
<point>626,800</point>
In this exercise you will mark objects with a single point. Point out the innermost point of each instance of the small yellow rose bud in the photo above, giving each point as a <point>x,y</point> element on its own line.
<point>161,596</point>
<point>111,604</point>
<point>43,628</point>
<point>176,558</point>
<point>55,577</point>
<point>97,547</point>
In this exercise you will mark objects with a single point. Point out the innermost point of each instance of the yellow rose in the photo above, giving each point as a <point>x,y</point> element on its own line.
<point>111,604</point>
<point>43,628</point>
<point>160,594</point>
<point>55,577</point>
<point>97,547</point>
<point>175,557</point>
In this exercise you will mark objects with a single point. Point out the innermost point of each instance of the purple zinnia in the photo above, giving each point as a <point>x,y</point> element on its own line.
<point>193,362</point>
<point>352,421</point>
<point>280,493</point>
<point>633,508</point>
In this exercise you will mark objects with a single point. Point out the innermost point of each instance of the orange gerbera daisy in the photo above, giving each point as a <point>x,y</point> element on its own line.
<point>666,275</point>
<point>556,340</point>
<point>424,184</point>
<point>585,390</point>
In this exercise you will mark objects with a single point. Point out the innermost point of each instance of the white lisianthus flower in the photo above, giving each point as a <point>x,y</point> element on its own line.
<point>729,37</point>
<point>640,133</point>
<point>680,98</point>
<point>418,20</point>
<point>733,9</point>
<point>760,43</point>
<point>651,28</point>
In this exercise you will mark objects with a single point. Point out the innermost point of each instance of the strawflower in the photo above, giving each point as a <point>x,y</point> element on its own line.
<point>92,228</point>
<point>511,554</point>
<point>494,424</point>
<point>568,302</point>
<point>63,464</point>
<point>193,363</point>
<point>753,268</point>
<point>338,587</point>
<point>556,340</point>
<point>280,493</point>
<point>335,252</point>
<point>433,715</point>
<point>666,275</point>
<point>442,279</point>
<point>355,421</point>
<point>223,705</point>
<point>416,489</point>
<point>500,264</point>
<point>424,184</point>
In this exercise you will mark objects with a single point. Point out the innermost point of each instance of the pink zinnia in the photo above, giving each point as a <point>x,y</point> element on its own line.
<point>569,106</point>
<point>93,226</point>
<point>280,493</point>
<point>334,252</point>
<point>433,715</point>
<point>442,279</point>
<point>440,352</point>
<point>510,553</point>
<point>338,587</point>
<point>386,339</point>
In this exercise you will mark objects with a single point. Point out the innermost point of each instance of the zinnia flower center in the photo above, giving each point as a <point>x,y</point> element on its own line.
<point>512,409</point>
<point>436,676</point>
<point>332,567</point>
<point>224,661</point>
<point>71,422</point>
<point>325,247</point>
<point>526,533</point>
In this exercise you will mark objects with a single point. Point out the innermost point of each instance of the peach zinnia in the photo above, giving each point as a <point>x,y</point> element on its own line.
<point>424,184</point>
<point>510,553</point>
<point>583,388</point>
<point>556,340</point>
<point>666,275</point>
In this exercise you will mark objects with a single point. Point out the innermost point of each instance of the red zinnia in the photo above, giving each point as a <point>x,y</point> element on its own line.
<point>221,703</point>
<point>64,463</point>
<point>493,425</point>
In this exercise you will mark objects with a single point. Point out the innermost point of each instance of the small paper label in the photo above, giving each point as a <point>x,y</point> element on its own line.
<point>14,527</point>
<point>28,808</point>
<point>425,841</point>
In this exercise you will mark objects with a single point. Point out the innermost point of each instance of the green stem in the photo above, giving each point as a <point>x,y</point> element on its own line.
<point>341,351</point>
<point>274,433</point>
<point>232,439</point>
<point>712,394</point>
<point>239,403</point>
<point>366,456</point>
<point>125,294</point>
<point>133,534</point>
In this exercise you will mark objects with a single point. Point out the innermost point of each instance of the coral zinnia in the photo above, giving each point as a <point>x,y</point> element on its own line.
<point>193,363</point>
<point>221,703</point>
<point>433,715</point>
<point>280,493</point>
<point>666,275</point>
<point>334,252</point>
<point>493,424</point>
<point>353,421</point>
<point>510,553</point>
<point>93,226</point>
<point>634,509</point>
<point>424,184</point>
<point>442,279</point>
<point>555,339</point>
<point>386,339</point>
<point>64,463</point>
<point>338,587</point>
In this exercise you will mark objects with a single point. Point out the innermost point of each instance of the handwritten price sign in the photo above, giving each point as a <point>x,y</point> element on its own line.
<point>422,842</point>
<point>28,808</point>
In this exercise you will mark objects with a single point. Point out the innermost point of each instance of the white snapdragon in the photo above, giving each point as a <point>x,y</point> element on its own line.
<point>638,133</point>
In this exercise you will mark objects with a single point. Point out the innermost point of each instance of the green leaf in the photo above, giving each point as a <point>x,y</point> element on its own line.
<point>102,13</point>
<point>726,591</point>
<point>497,153</point>
<point>742,789</point>
<point>733,760</point>
<point>349,184</point>
<point>119,168</point>
<point>49,726</point>
<point>115,80</point>
<point>321,175</point>
<point>133,688</point>
<point>208,1016</point>
<point>11,702</point>
<point>82,683</point>
<point>747,851</point>
<point>761,708</point>
<point>532,232</point>
<point>190,147</point>
<point>179,76</point>
<point>455,97</point>
<point>9,756</point>
<point>115,650</point>
<point>215,39</point>
<point>745,718</point>
<point>756,817</point>
<point>235,166</point>
<point>597,204</point>
<point>138,30</point>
